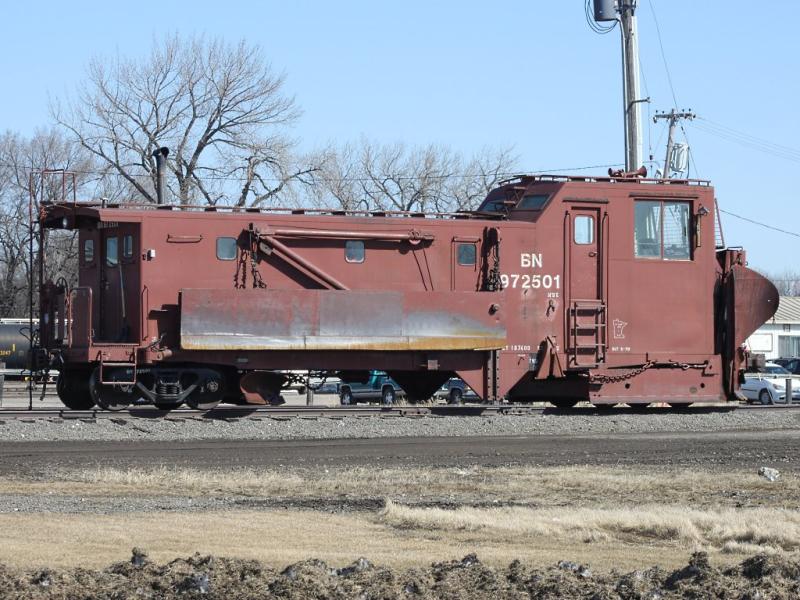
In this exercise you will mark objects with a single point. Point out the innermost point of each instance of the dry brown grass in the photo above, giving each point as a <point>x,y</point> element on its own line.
<point>281,537</point>
<point>541,487</point>
<point>727,530</point>
<point>609,517</point>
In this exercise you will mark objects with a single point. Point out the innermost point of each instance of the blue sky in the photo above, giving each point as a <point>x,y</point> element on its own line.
<point>470,74</point>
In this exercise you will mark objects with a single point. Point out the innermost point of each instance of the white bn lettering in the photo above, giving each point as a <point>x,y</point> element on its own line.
<point>530,260</point>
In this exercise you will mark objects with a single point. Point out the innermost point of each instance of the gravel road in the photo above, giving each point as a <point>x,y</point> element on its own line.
<point>700,450</point>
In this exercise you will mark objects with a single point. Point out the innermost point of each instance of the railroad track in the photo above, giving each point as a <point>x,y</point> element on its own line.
<point>334,412</point>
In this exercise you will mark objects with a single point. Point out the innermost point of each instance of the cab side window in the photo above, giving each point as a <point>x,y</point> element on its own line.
<point>661,230</point>
<point>112,257</point>
<point>354,251</point>
<point>88,251</point>
<point>226,248</point>
<point>676,231</point>
<point>584,230</point>
<point>127,247</point>
<point>647,229</point>
<point>467,255</point>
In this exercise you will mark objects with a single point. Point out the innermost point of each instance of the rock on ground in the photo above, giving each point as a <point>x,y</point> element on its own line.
<point>769,473</point>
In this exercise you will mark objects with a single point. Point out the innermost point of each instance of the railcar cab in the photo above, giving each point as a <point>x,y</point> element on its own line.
<point>616,251</point>
<point>104,305</point>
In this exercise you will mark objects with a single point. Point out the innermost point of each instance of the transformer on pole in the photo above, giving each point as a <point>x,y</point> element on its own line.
<point>671,162</point>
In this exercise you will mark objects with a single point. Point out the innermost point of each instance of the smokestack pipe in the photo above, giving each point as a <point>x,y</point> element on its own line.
<point>161,162</point>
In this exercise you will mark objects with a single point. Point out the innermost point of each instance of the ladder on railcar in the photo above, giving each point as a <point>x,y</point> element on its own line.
<point>587,333</point>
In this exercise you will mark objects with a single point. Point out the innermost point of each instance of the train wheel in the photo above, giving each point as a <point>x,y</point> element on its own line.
<point>208,395</point>
<point>679,405</point>
<point>456,396</point>
<point>72,388</point>
<point>202,403</point>
<point>604,407</point>
<point>166,405</point>
<point>563,403</point>
<point>110,397</point>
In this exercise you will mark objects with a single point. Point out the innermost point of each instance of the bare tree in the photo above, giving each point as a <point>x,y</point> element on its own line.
<point>787,282</point>
<point>395,177</point>
<point>481,174</point>
<point>220,109</point>
<point>19,158</point>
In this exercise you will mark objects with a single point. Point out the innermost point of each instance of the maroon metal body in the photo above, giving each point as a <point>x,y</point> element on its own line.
<point>562,289</point>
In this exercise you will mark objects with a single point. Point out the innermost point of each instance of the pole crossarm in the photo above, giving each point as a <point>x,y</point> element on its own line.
<point>673,116</point>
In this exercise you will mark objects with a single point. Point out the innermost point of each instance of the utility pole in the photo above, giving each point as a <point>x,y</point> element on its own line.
<point>673,117</point>
<point>624,13</point>
<point>630,84</point>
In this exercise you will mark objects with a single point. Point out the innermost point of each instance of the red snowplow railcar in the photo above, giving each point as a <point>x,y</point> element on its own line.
<point>563,289</point>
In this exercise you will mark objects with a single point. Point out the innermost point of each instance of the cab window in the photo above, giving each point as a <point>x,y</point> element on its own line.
<point>88,251</point>
<point>533,202</point>
<point>112,258</point>
<point>467,254</point>
<point>661,230</point>
<point>127,246</point>
<point>584,230</point>
<point>354,251</point>
<point>676,231</point>
<point>226,248</point>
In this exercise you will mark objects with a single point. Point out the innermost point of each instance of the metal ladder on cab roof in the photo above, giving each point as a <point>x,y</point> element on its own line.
<point>587,334</point>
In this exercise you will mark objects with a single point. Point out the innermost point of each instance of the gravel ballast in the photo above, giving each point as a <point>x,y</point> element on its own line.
<point>126,428</point>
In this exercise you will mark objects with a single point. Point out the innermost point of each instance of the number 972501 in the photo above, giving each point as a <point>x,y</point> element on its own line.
<point>530,282</point>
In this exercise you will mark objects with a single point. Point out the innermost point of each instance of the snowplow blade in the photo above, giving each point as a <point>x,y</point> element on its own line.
<point>213,319</point>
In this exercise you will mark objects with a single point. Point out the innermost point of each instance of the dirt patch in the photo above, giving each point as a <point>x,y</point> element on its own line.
<point>212,577</point>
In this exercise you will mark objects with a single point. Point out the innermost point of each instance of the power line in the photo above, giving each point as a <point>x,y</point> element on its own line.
<point>663,54</point>
<point>748,136</point>
<point>747,140</point>
<point>754,222</point>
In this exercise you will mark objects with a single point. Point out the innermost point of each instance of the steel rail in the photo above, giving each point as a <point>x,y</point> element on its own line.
<point>337,412</point>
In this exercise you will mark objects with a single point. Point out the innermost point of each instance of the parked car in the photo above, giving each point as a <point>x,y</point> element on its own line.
<point>790,364</point>
<point>456,391</point>
<point>769,387</point>
<point>378,388</point>
<point>329,386</point>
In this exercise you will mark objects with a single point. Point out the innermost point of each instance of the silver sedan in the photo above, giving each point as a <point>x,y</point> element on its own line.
<point>769,387</point>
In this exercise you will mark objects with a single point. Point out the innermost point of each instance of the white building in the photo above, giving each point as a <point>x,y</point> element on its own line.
<point>780,336</point>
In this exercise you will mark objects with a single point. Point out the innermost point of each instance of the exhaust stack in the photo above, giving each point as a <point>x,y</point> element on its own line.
<point>161,162</point>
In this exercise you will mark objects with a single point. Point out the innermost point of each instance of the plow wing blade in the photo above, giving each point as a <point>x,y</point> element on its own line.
<point>755,301</point>
<point>213,319</point>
